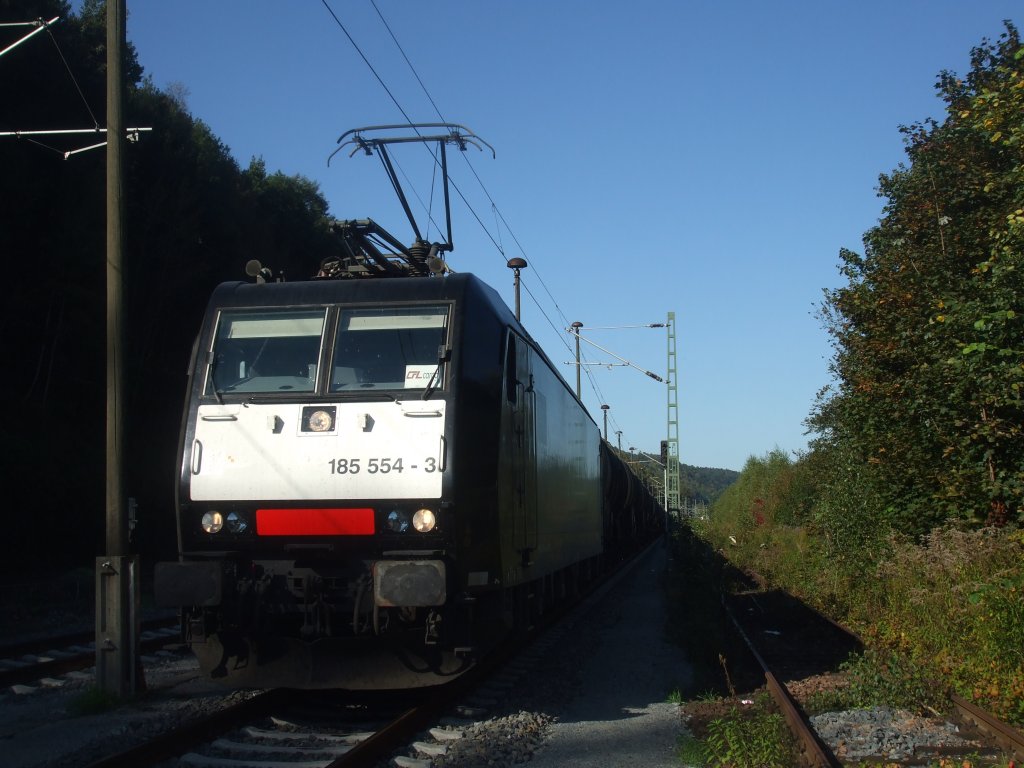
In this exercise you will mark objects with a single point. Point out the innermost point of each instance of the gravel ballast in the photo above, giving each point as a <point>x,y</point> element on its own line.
<point>882,732</point>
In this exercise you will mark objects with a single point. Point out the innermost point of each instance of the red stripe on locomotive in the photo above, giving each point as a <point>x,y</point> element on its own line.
<point>315,522</point>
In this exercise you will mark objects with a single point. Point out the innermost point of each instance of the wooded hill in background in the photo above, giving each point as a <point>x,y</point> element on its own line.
<point>704,484</point>
<point>697,485</point>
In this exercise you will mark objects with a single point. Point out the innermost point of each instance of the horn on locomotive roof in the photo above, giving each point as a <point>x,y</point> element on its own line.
<point>253,268</point>
<point>365,139</point>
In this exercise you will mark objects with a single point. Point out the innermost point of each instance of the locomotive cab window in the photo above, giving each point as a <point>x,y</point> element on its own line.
<point>266,351</point>
<point>390,348</point>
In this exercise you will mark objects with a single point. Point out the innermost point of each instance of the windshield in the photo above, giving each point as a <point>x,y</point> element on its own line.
<point>266,351</point>
<point>279,350</point>
<point>389,348</point>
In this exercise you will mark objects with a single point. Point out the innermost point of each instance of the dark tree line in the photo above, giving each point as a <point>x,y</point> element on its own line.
<point>193,219</point>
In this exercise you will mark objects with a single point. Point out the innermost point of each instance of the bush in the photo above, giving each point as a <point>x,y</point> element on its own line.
<point>942,611</point>
<point>955,606</point>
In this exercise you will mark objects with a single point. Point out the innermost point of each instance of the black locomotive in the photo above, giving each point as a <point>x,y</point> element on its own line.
<point>382,474</point>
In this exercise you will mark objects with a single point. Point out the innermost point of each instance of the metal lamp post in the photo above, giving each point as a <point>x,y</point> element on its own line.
<point>576,332</point>
<point>516,265</point>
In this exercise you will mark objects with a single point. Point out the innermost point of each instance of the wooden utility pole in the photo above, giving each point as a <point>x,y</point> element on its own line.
<point>117,576</point>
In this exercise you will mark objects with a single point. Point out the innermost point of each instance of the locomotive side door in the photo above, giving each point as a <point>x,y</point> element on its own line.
<point>519,394</point>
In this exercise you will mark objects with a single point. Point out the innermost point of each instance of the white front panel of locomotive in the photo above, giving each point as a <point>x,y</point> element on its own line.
<point>375,450</point>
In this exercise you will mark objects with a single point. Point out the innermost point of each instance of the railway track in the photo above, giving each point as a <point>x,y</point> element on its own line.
<point>324,729</point>
<point>26,662</point>
<point>282,728</point>
<point>814,752</point>
<point>278,727</point>
<point>790,641</point>
<point>316,729</point>
<point>1008,738</point>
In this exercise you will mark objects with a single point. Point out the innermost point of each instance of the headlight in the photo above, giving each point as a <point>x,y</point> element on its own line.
<point>236,523</point>
<point>320,421</point>
<point>423,520</point>
<point>397,521</point>
<point>212,522</point>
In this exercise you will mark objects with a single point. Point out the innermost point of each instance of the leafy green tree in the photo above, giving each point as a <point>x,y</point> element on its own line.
<point>288,221</point>
<point>773,489</point>
<point>926,411</point>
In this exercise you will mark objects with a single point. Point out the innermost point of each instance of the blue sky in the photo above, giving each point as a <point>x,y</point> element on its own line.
<point>704,158</point>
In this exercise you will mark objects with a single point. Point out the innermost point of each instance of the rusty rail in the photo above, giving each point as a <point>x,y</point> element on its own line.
<point>1005,736</point>
<point>815,752</point>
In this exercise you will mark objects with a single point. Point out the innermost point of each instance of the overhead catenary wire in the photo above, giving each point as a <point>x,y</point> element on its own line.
<point>74,80</point>
<point>497,245</point>
<point>404,114</point>
<point>411,67</point>
<point>366,60</point>
<point>41,25</point>
<point>472,168</point>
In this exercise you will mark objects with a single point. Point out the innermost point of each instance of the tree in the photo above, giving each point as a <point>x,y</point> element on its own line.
<point>193,219</point>
<point>926,331</point>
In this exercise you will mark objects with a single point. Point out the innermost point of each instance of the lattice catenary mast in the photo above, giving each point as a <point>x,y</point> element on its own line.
<point>672,437</point>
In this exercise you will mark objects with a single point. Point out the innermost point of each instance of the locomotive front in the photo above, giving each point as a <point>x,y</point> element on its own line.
<point>314,504</point>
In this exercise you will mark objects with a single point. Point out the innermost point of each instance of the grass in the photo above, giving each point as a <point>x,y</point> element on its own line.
<point>939,614</point>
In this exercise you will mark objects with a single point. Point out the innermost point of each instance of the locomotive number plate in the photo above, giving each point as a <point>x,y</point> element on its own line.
<point>353,466</point>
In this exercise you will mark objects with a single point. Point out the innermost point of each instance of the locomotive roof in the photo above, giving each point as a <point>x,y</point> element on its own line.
<point>327,291</point>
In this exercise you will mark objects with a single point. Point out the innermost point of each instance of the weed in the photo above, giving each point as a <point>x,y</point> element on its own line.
<point>749,740</point>
<point>890,678</point>
<point>834,700</point>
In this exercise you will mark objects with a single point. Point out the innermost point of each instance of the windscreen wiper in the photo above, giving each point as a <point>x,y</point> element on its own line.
<point>443,353</point>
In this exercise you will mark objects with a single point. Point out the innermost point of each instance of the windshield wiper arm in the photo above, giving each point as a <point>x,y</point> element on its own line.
<point>443,353</point>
